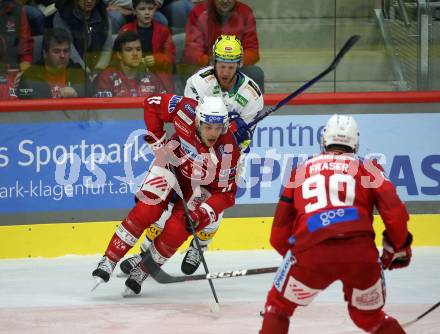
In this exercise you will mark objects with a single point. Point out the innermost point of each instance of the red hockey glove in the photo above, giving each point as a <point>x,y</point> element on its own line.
<point>393,258</point>
<point>201,217</point>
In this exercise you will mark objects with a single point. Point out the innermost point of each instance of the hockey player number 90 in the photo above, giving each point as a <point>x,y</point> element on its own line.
<point>314,187</point>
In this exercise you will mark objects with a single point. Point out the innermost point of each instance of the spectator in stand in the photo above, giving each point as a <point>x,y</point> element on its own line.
<point>40,15</point>
<point>176,13</point>
<point>55,76</point>
<point>212,18</point>
<point>158,48</point>
<point>121,12</point>
<point>7,78</point>
<point>127,75</point>
<point>15,30</point>
<point>86,18</point>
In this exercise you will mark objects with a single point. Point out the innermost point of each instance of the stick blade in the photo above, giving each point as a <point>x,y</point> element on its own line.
<point>345,48</point>
<point>214,307</point>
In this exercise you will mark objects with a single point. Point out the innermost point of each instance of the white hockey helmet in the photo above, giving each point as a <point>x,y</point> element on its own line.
<point>212,110</point>
<point>341,130</point>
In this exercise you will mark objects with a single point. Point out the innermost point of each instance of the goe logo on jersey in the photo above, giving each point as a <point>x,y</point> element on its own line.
<point>173,102</point>
<point>329,217</point>
<point>189,109</point>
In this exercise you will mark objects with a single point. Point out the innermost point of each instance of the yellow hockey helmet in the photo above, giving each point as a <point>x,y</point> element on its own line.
<point>227,48</point>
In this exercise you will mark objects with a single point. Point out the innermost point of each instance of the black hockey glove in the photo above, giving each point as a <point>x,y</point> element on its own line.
<point>240,129</point>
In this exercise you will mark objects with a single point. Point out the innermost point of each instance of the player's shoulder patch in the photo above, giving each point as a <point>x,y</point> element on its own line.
<point>207,73</point>
<point>254,87</point>
<point>173,102</point>
<point>189,108</point>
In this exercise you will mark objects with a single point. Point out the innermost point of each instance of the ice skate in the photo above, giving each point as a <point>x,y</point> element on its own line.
<point>192,259</point>
<point>102,273</point>
<point>128,264</point>
<point>134,281</point>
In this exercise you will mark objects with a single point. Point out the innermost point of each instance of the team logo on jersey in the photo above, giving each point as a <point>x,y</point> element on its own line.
<point>173,102</point>
<point>329,217</point>
<point>190,150</point>
<point>241,100</point>
<point>216,90</point>
<point>189,109</point>
<point>118,82</point>
<point>104,93</point>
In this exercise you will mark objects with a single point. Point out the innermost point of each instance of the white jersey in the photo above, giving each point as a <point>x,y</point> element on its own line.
<point>244,98</point>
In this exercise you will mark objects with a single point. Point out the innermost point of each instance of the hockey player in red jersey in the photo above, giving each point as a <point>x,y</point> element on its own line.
<point>323,228</point>
<point>204,154</point>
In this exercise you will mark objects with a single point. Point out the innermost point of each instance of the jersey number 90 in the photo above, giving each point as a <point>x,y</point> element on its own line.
<point>339,186</point>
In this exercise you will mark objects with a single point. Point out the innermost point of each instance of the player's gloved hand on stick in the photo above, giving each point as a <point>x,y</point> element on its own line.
<point>163,150</point>
<point>240,129</point>
<point>393,258</point>
<point>201,217</point>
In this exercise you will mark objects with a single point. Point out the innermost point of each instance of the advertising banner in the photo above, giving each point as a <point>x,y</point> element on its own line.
<point>99,164</point>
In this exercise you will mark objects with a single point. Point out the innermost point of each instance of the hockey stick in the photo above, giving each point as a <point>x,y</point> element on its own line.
<point>147,256</point>
<point>162,277</point>
<point>347,46</point>
<point>432,308</point>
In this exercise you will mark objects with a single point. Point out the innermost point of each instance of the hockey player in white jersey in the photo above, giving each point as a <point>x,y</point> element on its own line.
<point>241,95</point>
<point>243,99</point>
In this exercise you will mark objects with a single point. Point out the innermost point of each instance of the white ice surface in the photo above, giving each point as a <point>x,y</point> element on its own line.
<point>53,296</point>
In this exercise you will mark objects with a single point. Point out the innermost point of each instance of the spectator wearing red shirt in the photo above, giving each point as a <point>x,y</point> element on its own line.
<point>127,75</point>
<point>15,30</point>
<point>212,18</point>
<point>158,47</point>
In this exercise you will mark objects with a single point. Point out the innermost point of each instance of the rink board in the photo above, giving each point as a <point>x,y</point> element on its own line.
<point>53,240</point>
<point>44,213</point>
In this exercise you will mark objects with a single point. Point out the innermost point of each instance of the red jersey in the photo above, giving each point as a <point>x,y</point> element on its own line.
<point>113,82</point>
<point>333,196</point>
<point>203,28</point>
<point>7,83</point>
<point>213,168</point>
<point>164,51</point>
